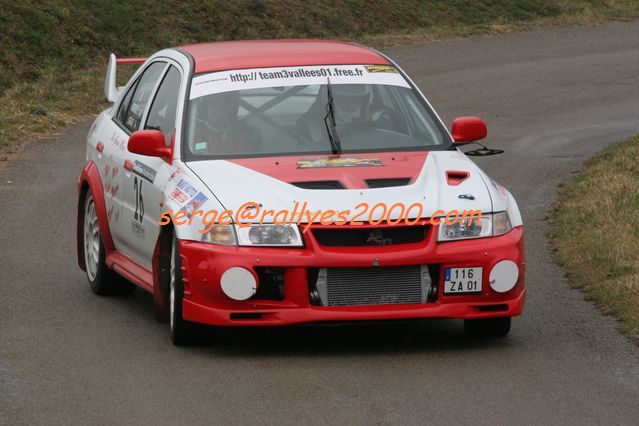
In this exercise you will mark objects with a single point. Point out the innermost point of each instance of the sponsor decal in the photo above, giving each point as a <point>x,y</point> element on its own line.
<point>175,173</point>
<point>377,238</point>
<point>183,191</point>
<point>228,81</point>
<point>130,121</point>
<point>107,169</point>
<point>138,229</point>
<point>107,186</point>
<point>380,68</point>
<point>194,204</point>
<point>312,163</point>
<point>179,196</point>
<point>135,108</point>
<point>188,189</point>
<point>118,141</point>
<point>110,213</point>
<point>114,171</point>
<point>114,190</point>
<point>176,193</point>
<point>144,171</point>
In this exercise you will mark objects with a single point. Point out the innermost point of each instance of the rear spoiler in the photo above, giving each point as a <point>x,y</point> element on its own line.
<point>111,91</point>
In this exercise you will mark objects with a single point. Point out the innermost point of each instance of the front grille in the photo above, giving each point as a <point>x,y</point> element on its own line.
<point>380,236</point>
<point>389,285</point>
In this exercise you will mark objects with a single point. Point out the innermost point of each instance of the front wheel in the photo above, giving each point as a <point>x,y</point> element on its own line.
<point>182,332</point>
<point>102,280</point>
<point>488,326</point>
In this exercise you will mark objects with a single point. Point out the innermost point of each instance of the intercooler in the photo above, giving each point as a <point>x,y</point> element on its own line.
<point>391,285</point>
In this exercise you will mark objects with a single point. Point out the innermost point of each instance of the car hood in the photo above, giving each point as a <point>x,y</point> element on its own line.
<point>439,180</point>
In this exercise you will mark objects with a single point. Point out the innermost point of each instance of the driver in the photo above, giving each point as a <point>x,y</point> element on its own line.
<point>351,103</point>
<point>221,132</point>
<point>353,108</point>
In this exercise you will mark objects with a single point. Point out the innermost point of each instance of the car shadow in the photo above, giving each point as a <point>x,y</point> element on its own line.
<point>346,339</point>
<point>349,338</point>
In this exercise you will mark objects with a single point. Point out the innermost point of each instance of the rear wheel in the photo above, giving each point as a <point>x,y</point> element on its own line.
<point>102,280</point>
<point>488,326</point>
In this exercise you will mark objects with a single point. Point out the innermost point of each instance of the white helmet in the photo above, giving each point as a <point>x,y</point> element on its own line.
<point>351,101</point>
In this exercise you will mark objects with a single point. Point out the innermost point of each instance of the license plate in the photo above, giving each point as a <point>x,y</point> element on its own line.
<point>462,280</point>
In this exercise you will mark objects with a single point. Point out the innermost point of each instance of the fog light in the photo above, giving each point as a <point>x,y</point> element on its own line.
<point>238,283</point>
<point>503,276</point>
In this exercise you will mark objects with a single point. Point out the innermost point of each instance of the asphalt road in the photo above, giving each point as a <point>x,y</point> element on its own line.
<point>551,98</point>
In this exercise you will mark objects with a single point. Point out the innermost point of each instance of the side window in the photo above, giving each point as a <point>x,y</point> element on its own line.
<point>163,109</point>
<point>124,106</point>
<point>131,112</point>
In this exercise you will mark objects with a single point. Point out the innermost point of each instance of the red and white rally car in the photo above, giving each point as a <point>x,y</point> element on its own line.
<point>269,126</point>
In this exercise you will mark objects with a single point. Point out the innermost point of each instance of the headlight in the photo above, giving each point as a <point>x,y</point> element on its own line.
<point>221,234</point>
<point>269,235</point>
<point>490,225</point>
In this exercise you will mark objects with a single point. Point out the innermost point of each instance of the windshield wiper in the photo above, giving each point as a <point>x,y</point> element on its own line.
<point>329,121</point>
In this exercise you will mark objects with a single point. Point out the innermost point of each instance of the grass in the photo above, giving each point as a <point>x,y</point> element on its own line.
<point>53,52</point>
<point>595,228</point>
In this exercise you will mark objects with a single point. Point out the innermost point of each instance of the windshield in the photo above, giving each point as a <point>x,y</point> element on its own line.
<point>284,111</point>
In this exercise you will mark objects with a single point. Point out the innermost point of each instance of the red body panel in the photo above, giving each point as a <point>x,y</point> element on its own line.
<point>205,302</point>
<point>230,55</point>
<point>130,61</point>
<point>286,169</point>
<point>91,176</point>
<point>130,270</point>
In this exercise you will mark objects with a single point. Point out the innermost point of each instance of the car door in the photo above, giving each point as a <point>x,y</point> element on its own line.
<point>126,120</point>
<point>144,176</point>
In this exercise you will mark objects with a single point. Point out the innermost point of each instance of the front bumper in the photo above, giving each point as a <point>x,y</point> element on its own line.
<point>204,263</point>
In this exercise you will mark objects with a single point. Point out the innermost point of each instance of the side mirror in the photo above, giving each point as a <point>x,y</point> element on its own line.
<point>468,129</point>
<point>150,143</point>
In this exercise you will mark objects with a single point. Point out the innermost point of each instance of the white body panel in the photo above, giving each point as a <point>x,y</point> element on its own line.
<point>235,185</point>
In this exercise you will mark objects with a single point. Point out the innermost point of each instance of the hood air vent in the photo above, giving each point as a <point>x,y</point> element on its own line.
<point>455,177</point>
<point>319,184</point>
<point>385,183</point>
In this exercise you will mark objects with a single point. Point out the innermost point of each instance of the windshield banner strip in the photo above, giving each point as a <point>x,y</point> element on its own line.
<point>256,78</point>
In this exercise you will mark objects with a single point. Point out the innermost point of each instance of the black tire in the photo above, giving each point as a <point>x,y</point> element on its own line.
<point>494,327</point>
<point>102,280</point>
<point>183,332</point>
